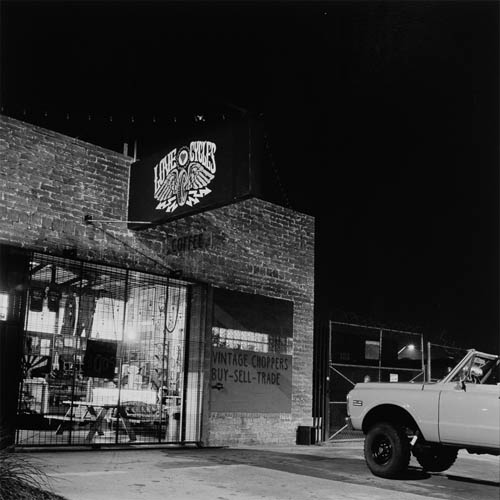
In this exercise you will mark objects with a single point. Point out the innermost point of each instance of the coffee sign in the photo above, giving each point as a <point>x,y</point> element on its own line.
<point>189,242</point>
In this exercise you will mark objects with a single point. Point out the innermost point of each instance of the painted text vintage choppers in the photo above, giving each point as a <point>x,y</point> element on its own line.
<point>432,420</point>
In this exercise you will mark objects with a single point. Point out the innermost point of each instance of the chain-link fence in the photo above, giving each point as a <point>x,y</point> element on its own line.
<point>368,354</point>
<point>360,353</point>
<point>441,359</point>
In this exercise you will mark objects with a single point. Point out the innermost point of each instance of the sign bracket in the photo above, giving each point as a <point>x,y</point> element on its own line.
<point>88,219</point>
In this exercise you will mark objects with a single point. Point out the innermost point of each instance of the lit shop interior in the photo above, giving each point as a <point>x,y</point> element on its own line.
<point>104,357</point>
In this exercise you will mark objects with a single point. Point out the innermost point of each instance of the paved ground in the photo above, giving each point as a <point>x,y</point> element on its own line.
<point>335,472</point>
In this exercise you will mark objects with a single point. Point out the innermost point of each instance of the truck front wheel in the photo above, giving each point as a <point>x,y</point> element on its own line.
<point>387,450</point>
<point>435,458</point>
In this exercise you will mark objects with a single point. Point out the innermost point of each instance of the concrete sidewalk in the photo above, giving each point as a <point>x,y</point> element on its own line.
<point>250,473</point>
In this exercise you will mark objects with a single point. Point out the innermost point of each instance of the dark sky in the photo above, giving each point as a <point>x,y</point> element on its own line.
<point>382,120</point>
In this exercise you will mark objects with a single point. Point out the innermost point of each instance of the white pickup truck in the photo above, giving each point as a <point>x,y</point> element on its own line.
<point>432,420</point>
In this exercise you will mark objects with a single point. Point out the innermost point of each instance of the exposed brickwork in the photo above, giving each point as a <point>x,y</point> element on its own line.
<point>49,182</point>
<point>252,428</point>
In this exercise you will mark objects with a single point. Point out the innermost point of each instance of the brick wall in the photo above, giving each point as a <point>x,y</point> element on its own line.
<point>49,182</point>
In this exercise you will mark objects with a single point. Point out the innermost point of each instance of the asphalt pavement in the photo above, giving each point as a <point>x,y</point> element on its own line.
<point>334,472</point>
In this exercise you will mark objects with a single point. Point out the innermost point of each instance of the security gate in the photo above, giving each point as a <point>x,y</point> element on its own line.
<point>367,354</point>
<point>107,357</point>
<point>348,353</point>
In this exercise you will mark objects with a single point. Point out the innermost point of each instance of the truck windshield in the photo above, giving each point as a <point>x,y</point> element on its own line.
<point>480,370</point>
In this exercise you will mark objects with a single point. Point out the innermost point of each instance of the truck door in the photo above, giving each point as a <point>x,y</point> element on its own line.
<point>470,416</point>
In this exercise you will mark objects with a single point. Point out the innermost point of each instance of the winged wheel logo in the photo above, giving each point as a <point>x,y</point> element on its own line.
<point>182,176</point>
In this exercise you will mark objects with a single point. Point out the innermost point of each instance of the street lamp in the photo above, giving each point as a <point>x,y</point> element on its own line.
<point>410,347</point>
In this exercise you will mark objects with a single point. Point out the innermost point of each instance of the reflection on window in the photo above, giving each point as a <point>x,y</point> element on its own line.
<point>251,341</point>
<point>42,321</point>
<point>108,322</point>
<point>44,347</point>
<point>4,306</point>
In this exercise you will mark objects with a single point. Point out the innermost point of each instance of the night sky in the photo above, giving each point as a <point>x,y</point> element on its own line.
<point>382,119</point>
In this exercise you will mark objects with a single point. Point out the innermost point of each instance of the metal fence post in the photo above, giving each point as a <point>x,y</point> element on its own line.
<point>380,355</point>
<point>429,369</point>
<point>326,412</point>
<point>422,356</point>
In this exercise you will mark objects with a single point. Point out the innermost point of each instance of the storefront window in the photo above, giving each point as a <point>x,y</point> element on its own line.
<point>104,356</point>
<point>252,347</point>
<point>251,341</point>
<point>252,322</point>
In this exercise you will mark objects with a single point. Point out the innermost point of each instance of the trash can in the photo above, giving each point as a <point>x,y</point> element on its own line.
<point>305,435</point>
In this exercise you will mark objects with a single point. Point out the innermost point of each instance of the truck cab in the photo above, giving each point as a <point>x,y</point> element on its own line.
<point>432,420</point>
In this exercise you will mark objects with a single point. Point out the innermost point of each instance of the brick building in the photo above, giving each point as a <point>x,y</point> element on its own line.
<point>197,330</point>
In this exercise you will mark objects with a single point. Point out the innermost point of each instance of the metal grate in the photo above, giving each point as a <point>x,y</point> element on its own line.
<point>107,358</point>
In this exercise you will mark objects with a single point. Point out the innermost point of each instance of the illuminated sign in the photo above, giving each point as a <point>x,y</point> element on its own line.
<point>205,167</point>
<point>182,176</point>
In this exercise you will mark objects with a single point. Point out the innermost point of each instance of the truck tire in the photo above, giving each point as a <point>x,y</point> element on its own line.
<point>435,458</point>
<point>387,450</point>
